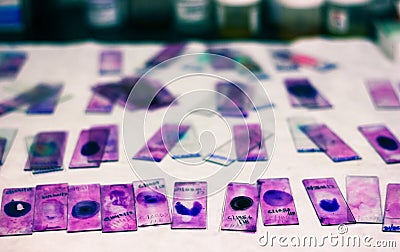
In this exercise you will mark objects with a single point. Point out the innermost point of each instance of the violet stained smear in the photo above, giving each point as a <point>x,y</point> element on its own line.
<point>151,203</point>
<point>303,94</point>
<point>276,201</point>
<point>189,205</point>
<point>330,143</point>
<point>241,208</point>
<point>383,141</point>
<point>84,208</point>
<point>16,216</point>
<point>51,207</point>
<point>118,208</point>
<point>329,204</point>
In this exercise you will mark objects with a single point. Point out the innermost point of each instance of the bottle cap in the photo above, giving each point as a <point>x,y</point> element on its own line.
<point>301,4</point>
<point>238,2</point>
<point>349,2</point>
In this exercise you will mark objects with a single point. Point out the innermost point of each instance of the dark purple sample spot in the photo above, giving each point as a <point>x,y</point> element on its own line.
<point>194,211</point>
<point>85,209</point>
<point>387,143</point>
<point>277,198</point>
<point>241,203</point>
<point>329,205</point>
<point>303,90</point>
<point>17,208</point>
<point>90,148</point>
<point>286,55</point>
<point>150,197</point>
<point>43,149</point>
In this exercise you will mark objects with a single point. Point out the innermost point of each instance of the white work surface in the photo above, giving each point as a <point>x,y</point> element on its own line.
<point>76,66</point>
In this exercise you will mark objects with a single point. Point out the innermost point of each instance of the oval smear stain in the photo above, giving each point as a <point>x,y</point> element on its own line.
<point>90,148</point>
<point>329,205</point>
<point>85,209</point>
<point>303,90</point>
<point>277,198</point>
<point>241,203</point>
<point>183,210</point>
<point>387,143</point>
<point>17,208</point>
<point>150,197</point>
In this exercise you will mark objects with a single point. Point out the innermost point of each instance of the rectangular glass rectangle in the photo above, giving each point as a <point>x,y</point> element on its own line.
<point>118,208</point>
<point>11,62</point>
<point>329,142</point>
<point>241,208</point>
<point>190,205</point>
<point>151,203</point>
<point>97,143</point>
<point>3,143</point>
<point>48,104</point>
<point>382,94</point>
<point>111,151</point>
<point>383,141</point>
<point>276,201</point>
<point>82,151</point>
<point>16,216</point>
<point>301,141</point>
<point>47,150</point>
<point>84,208</point>
<point>51,207</point>
<point>391,219</point>
<point>364,198</point>
<point>249,143</point>
<point>9,134</point>
<point>303,93</point>
<point>110,62</point>
<point>233,99</point>
<point>329,204</point>
<point>161,142</point>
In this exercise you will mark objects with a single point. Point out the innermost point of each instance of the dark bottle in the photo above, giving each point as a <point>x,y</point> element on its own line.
<point>152,19</point>
<point>193,17</point>
<point>58,20</point>
<point>14,19</point>
<point>106,19</point>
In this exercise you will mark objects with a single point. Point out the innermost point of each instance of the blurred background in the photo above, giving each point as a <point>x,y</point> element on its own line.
<point>173,20</point>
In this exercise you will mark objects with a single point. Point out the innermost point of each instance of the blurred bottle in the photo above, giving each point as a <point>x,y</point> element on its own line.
<point>397,6</point>
<point>238,18</point>
<point>58,19</point>
<point>300,18</point>
<point>382,9</point>
<point>14,19</point>
<point>348,17</point>
<point>193,17</point>
<point>154,14</point>
<point>271,15</point>
<point>103,15</point>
